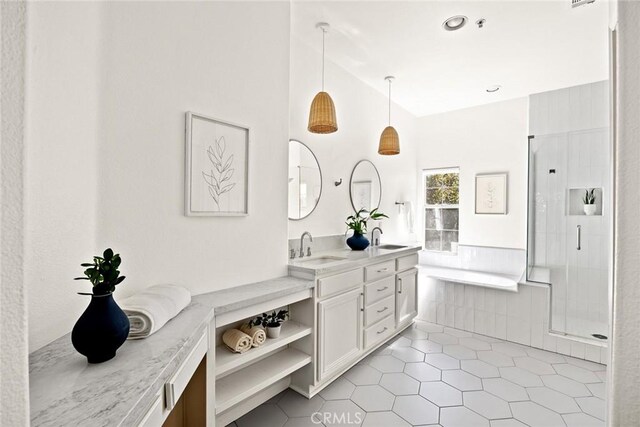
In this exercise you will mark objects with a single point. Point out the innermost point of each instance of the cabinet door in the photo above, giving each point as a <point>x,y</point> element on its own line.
<point>406,296</point>
<point>339,331</point>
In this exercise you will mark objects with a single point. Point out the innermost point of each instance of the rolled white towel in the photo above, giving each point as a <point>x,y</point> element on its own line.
<point>237,341</point>
<point>257,334</point>
<point>150,309</point>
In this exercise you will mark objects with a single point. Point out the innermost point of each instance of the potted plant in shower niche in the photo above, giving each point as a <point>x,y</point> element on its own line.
<point>358,223</point>
<point>103,327</point>
<point>589,200</point>
<point>272,322</point>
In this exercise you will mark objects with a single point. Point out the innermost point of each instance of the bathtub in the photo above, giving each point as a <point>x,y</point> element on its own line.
<point>505,282</point>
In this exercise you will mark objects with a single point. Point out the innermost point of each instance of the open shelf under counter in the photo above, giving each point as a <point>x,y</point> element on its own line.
<point>227,361</point>
<point>240,385</point>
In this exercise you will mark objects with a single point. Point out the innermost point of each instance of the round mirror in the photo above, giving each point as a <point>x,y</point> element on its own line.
<point>305,180</point>
<point>365,187</point>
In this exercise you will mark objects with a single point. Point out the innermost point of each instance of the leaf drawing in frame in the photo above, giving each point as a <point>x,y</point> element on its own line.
<point>219,177</point>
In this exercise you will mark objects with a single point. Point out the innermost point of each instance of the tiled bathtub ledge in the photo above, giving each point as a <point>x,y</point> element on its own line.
<point>504,282</point>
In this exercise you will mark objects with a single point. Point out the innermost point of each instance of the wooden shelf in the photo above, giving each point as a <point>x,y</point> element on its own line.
<point>236,387</point>
<point>226,360</point>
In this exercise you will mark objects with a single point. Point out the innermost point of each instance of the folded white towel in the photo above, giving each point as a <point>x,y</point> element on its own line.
<point>150,309</point>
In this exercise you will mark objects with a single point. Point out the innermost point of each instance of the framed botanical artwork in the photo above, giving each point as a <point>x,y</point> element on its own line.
<point>217,167</point>
<point>491,194</point>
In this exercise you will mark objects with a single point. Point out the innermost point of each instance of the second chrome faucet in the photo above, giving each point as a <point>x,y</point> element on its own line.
<point>301,254</point>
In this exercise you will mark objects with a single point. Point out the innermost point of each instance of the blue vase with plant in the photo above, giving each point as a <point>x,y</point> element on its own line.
<point>358,223</point>
<point>103,327</point>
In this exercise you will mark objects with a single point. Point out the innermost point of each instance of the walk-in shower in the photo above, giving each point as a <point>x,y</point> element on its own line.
<point>569,227</point>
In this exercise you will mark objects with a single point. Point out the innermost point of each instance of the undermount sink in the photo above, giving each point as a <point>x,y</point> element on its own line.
<point>320,260</point>
<point>391,247</point>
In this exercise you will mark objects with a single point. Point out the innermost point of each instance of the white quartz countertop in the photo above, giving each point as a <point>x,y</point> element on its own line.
<point>345,259</point>
<point>67,391</point>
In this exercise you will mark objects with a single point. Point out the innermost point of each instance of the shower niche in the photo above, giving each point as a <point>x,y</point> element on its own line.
<point>576,205</point>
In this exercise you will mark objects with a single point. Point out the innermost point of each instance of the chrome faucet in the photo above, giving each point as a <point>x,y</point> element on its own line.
<point>376,242</point>
<point>306,233</point>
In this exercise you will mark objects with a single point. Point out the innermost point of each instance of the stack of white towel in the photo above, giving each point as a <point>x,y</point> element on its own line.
<point>150,309</point>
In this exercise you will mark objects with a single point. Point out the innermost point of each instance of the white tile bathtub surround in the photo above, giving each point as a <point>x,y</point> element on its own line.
<point>479,258</point>
<point>520,317</point>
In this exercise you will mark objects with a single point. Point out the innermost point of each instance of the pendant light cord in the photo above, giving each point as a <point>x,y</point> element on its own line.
<point>389,102</point>
<point>323,33</point>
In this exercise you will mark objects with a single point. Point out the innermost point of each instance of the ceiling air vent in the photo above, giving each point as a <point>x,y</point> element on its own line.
<point>576,3</point>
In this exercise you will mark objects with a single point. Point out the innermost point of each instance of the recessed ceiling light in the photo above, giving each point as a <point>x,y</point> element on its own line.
<point>455,23</point>
<point>493,88</point>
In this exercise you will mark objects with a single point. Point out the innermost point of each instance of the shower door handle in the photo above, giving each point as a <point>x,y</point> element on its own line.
<point>578,236</point>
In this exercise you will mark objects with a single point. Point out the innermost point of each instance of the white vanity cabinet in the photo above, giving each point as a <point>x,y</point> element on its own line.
<point>339,331</point>
<point>406,296</point>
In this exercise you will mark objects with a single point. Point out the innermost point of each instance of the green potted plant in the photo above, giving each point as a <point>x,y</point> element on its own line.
<point>103,327</point>
<point>271,322</point>
<point>358,223</point>
<point>589,201</point>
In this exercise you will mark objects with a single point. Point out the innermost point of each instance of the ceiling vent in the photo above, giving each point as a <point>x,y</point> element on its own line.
<point>576,3</point>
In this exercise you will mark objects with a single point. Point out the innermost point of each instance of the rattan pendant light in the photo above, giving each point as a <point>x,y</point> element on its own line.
<point>389,140</point>
<point>322,116</point>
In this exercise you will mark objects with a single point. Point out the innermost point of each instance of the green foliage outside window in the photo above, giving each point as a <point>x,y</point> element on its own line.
<point>442,189</point>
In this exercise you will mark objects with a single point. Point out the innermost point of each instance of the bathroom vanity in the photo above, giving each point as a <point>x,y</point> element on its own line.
<point>343,305</point>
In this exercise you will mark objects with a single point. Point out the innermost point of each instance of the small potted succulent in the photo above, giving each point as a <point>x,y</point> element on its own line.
<point>589,201</point>
<point>103,327</point>
<point>358,223</point>
<point>272,322</point>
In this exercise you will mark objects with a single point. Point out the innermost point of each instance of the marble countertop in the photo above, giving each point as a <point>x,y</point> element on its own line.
<point>65,390</point>
<point>346,259</point>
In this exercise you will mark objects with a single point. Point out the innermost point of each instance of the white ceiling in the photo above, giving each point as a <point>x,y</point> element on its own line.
<point>525,46</point>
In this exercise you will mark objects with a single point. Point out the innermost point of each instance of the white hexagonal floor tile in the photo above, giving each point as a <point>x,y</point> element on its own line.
<point>462,380</point>
<point>428,327</point>
<point>415,334</point>
<point>554,400</point>
<point>582,420</point>
<point>338,390</point>
<point>400,384</point>
<point>510,349</point>
<point>576,373</point>
<point>441,394</point>
<point>295,405</point>
<point>408,354</point>
<point>487,338</point>
<point>586,364</point>
<point>426,346</point>
<point>565,385</point>
<point>480,369</point>
<point>422,371</point>
<point>458,351</point>
<point>506,390</point>
<point>386,364</point>
<point>363,375</point>
<point>399,342</point>
<point>509,422</point>
<point>598,389</point>
<point>592,406</point>
<point>267,414</point>
<point>457,332</point>
<point>301,422</point>
<point>442,361</point>
<point>459,416</point>
<point>372,398</point>
<point>536,366</point>
<point>339,413</point>
<point>495,358</point>
<point>475,344</point>
<point>487,405</point>
<point>416,410</point>
<point>520,377</point>
<point>545,356</point>
<point>535,415</point>
<point>444,339</point>
<point>384,419</point>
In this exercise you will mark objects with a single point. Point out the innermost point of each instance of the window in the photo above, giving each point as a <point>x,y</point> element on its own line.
<point>441,195</point>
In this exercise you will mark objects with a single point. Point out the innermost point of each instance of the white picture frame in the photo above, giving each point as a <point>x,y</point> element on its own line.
<point>491,194</point>
<point>216,167</point>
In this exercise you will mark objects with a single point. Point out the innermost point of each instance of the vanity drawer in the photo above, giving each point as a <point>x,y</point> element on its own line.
<point>406,262</point>
<point>154,416</point>
<point>378,271</point>
<point>377,290</point>
<point>379,331</point>
<point>339,283</point>
<point>174,388</point>
<point>379,310</point>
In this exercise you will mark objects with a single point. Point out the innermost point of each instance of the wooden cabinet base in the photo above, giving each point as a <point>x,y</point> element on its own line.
<point>190,410</point>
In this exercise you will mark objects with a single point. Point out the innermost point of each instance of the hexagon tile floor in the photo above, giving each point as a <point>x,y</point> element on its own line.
<point>433,375</point>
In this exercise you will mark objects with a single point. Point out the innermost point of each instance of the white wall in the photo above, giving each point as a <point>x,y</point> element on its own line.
<point>624,375</point>
<point>61,193</point>
<point>362,114</point>
<point>106,145</point>
<point>14,382</point>
<point>489,138</point>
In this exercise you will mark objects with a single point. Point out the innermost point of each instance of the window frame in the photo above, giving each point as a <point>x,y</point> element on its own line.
<point>442,206</point>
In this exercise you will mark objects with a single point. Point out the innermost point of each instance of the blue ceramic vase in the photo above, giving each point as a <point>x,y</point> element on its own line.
<point>358,242</point>
<point>101,330</point>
